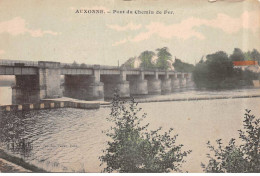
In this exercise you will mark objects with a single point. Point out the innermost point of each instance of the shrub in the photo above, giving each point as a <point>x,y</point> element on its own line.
<point>135,149</point>
<point>242,158</point>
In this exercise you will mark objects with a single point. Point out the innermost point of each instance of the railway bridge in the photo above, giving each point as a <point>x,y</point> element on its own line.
<point>40,80</point>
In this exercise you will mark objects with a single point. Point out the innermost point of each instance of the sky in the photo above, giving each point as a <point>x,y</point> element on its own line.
<point>52,30</point>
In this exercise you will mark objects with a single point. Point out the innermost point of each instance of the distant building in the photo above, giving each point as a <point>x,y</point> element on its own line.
<point>247,65</point>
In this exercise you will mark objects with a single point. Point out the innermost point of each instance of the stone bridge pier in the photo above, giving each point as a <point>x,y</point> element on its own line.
<point>183,81</point>
<point>190,82</point>
<point>166,82</point>
<point>137,84</point>
<point>154,84</point>
<point>116,82</point>
<point>33,88</point>
<point>49,79</point>
<point>84,87</point>
<point>175,83</point>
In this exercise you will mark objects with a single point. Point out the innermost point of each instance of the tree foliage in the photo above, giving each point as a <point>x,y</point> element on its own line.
<point>182,66</point>
<point>161,59</point>
<point>146,59</point>
<point>214,73</point>
<point>248,56</point>
<point>237,55</point>
<point>218,72</point>
<point>244,158</point>
<point>255,55</point>
<point>129,63</point>
<point>163,55</point>
<point>133,148</point>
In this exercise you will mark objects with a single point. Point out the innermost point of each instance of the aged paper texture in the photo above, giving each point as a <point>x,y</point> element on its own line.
<point>72,72</point>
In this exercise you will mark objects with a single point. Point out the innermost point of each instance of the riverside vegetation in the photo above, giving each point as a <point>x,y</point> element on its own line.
<point>215,72</point>
<point>132,148</point>
<point>243,158</point>
<point>218,72</point>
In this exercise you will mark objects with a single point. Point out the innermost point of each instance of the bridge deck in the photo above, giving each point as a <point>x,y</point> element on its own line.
<point>14,67</point>
<point>18,70</point>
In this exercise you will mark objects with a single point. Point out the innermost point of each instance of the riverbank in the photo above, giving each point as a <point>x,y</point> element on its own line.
<point>195,98</point>
<point>66,102</point>
<point>9,164</point>
<point>193,95</point>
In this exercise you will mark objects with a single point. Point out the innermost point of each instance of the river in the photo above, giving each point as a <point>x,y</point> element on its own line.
<point>71,140</point>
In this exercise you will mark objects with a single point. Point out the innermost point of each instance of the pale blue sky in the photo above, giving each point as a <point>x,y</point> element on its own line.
<point>51,30</point>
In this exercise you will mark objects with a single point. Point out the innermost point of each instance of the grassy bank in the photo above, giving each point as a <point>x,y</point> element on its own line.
<point>19,162</point>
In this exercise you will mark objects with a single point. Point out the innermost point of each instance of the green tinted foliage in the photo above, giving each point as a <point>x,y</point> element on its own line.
<point>162,61</point>
<point>218,72</point>
<point>200,75</point>
<point>234,158</point>
<point>133,148</point>
<point>182,66</point>
<point>215,73</point>
<point>237,55</point>
<point>129,63</point>
<point>146,59</point>
<point>255,56</point>
<point>163,57</point>
<point>248,56</point>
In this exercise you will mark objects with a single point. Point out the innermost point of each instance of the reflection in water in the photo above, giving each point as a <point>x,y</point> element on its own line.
<point>5,95</point>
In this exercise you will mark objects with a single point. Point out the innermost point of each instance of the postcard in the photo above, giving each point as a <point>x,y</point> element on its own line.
<point>130,86</point>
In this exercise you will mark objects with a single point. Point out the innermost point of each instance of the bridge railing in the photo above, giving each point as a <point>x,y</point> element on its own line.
<point>71,65</point>
<point>18,63</point>
<point>105,67</point>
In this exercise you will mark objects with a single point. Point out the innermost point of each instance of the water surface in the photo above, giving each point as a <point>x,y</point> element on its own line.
<point>71,140</point>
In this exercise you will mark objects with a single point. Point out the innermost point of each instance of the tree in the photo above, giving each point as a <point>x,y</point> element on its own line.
<point>83,65</point>
<point>182,66</point>
<point>237,55</point>
<point>255,56</point>
<point>216,72</point>
<point>220,67</point>
<point>163,57</point>
<point>199,74</point>
<point>129,63</point>
<point>248,56</point>
<point>252,55</point>
<point>242,158</point>
<point>75,64</point>
<point>146,59</point>
<point>133,148</point>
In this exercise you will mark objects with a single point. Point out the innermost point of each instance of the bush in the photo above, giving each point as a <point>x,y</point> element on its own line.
<point>218,72</point>
<point>244,158</point>
<point>135,149</point>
